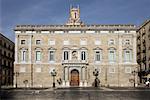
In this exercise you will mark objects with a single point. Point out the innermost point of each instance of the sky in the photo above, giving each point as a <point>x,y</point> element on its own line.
<point>15,12</point>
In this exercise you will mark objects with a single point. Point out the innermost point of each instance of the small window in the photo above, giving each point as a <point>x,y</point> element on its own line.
<point>23,41</point>
<point>66,55</point>
<point>98,56</point>
<point>83,55</point>
<point>51,56</point>
<point>111,42</point>
<point>38,41</point>
<point>127,42</point>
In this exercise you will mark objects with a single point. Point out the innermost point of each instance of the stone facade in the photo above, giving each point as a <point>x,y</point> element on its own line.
<point>143,51</point>
<point>6,61</point>
<point>75,50</point>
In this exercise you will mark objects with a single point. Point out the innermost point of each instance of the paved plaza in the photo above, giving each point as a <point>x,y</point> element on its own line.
<point>76,94</point>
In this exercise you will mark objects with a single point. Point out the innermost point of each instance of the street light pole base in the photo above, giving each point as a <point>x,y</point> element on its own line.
<point>53,85</point>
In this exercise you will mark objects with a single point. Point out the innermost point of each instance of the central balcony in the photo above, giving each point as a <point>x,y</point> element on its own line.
<point>75,62</point>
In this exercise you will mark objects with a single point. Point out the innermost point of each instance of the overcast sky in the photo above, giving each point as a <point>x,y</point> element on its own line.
<point>13,12</point>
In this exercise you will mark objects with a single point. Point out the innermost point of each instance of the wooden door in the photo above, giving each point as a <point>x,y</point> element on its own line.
<point>74,78</point>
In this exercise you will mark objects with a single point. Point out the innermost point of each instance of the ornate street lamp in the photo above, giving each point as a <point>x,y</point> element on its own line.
<point>96,73</point>
<point>16,74</point>
<point>53,74</point>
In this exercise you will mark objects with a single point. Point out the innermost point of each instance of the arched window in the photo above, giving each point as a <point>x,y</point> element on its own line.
<point>66,55</point>
<point>23,55</point>
<point>83,55</point>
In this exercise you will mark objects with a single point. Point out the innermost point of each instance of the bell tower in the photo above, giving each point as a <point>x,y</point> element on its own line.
<point>74,18</point>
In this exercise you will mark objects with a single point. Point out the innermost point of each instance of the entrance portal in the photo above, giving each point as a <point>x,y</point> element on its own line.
<point>74,78</point>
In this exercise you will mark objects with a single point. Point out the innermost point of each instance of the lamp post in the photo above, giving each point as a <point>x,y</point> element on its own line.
<point>96,73</point>
<point>134,73</point>
<point>53,74</point>
<point>16,74</point>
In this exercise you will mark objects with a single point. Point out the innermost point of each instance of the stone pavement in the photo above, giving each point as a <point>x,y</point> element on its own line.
<point>90,93</point>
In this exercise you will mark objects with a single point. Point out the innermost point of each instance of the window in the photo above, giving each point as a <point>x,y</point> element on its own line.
<point>5,53</point>
<point>83,55</point>
<point>38,41</point>
<point>66,55</point>
<point>127,42</point>
<point>112,55</point>
<point>5,44</point>
<point>23,55</point>
<point>51,56</point>
<point>111,42</point>
<point>38,55</point>
<point>23,41</point>
<point>127,56</point>
<point>98,55</point>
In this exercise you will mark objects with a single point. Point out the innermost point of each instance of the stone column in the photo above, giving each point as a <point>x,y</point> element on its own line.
<point>85,81</point>
<point>79,55</point>
<point>16,48</point>
<point>70,55</point>
<point>67,76</point>
<point>120,50</point>
<point>64,72</point>
<point>81,77</point>
<point>30,46</point>
<point>134,49</point>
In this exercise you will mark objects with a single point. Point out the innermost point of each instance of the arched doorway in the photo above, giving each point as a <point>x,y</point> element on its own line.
<point>74,78</point>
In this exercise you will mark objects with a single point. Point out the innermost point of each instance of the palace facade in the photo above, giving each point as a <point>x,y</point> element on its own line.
<point>75,50</point>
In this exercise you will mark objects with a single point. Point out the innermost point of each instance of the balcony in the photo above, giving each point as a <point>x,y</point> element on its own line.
<point>74,62</point>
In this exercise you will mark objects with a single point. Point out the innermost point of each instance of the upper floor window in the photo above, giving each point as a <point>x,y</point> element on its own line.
<point>66,55</point>
<point>23,55</point>
<point>38,41</point>
<point>111,42</point>
<point>98,55</point>
<point>83,55</point>
<point>127,55</point>
<point>38,55</point>
<point>23,41</point>
<point>51,55</point>
<point>127,42</point>
<point>112,55</point>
